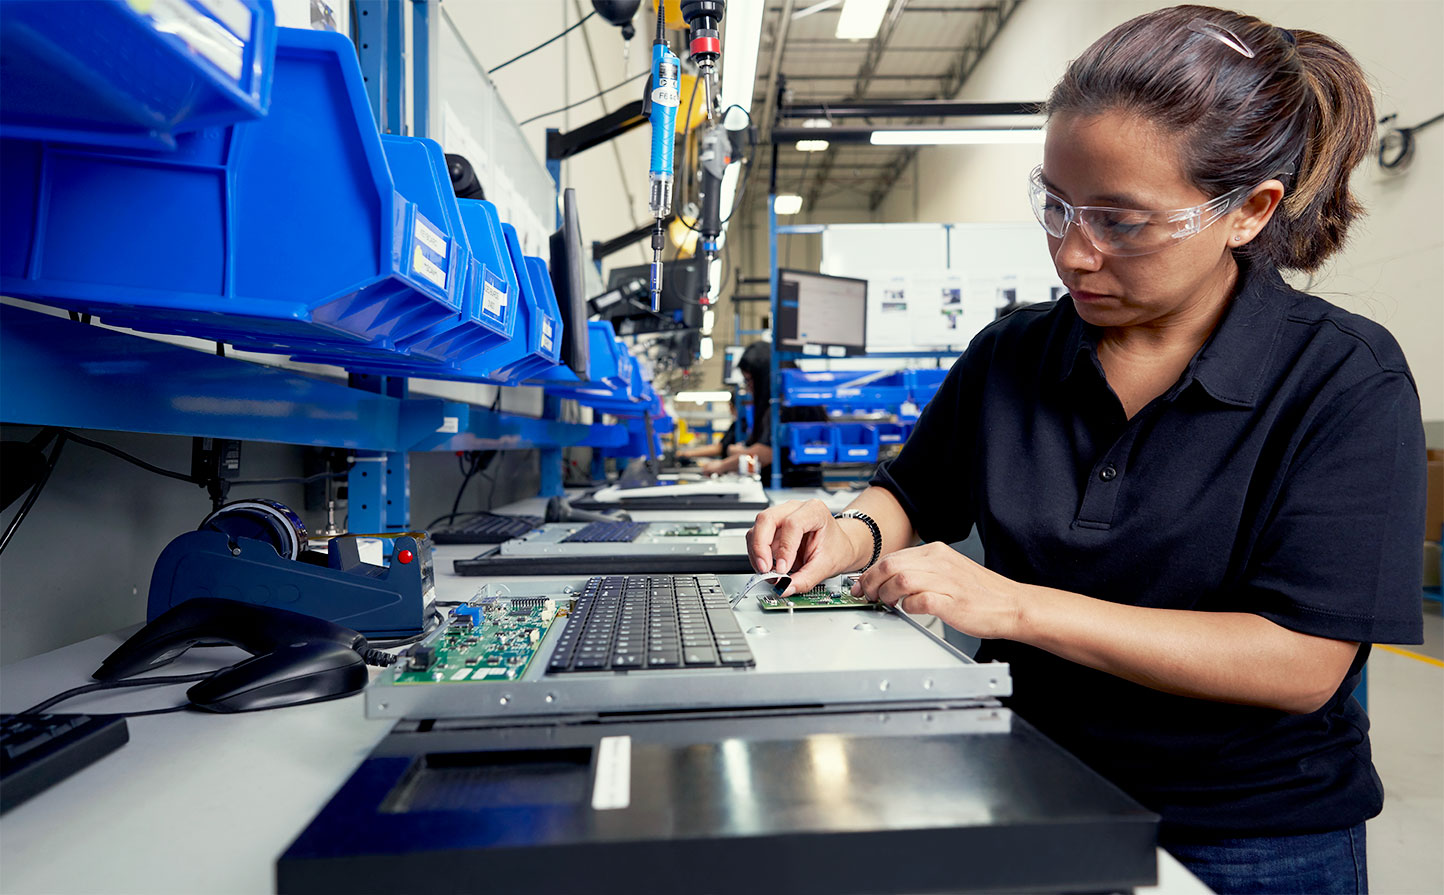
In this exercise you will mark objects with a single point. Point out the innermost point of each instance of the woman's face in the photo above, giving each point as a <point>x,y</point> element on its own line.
<point>1121,160</point>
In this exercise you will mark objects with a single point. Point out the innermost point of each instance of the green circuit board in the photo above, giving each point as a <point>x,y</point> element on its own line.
<point>492,640</point>
<point>690,530</point>
<point>823,596</point>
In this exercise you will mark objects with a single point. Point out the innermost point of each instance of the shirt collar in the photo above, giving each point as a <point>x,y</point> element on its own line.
<point>1232,363</point>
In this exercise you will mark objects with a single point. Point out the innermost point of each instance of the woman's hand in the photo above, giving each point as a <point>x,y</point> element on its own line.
<point>935,579</point>
<point>713,467</point>
<point>801,539</point>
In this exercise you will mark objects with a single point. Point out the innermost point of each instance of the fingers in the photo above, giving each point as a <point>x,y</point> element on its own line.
<point>812,567</point>
<point>807,519</point>
<point>759,538</point>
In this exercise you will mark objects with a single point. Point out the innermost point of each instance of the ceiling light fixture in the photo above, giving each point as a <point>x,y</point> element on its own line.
<point>861,19</point>
<point>787,204</point>
<point>924,137</point>
<point>812,145</point>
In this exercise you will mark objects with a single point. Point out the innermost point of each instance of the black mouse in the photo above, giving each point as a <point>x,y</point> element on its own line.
<point>294,674</point>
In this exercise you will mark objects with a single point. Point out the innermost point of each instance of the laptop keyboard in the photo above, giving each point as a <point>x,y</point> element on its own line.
<point>642,622</point>
<point>607,533</point>
<point>488,528</point>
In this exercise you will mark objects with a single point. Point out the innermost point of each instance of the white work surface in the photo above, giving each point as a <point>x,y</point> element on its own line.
<point>202,803</point>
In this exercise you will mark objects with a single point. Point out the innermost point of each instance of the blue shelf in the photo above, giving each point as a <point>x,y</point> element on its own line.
<point>97,378</point>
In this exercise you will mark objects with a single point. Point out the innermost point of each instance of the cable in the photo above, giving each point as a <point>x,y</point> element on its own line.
<point>35,489</point>
<point>38,708</point>
<point>642,74</point>
<point>102,446</point>
<point>303,480</point>
<point>544,43</point>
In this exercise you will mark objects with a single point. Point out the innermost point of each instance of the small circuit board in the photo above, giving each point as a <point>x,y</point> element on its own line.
<point>688,530</point>
<point>823,596</point>
<point>493,639</point>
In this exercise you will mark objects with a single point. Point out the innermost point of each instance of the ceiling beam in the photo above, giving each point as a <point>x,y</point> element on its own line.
<point>865,75</point>
<point>982,38</point>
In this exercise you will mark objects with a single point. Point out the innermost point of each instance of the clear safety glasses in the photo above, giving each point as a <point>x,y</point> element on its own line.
<point>1126,231</point>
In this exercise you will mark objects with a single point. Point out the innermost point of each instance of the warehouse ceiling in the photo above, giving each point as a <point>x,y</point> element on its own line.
<point>925,49</point>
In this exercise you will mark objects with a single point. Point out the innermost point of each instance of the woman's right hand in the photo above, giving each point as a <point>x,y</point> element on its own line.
<point>801,539</point>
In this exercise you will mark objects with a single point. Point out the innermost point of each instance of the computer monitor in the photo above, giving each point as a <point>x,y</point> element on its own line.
<point>627,304</point>
<point>821,314</point>
<point>569,284</point>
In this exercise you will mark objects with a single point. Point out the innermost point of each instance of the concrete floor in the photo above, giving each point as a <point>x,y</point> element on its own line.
<point>1406,710</point>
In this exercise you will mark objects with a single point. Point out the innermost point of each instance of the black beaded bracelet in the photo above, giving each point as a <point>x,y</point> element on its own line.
<point>872,526</point>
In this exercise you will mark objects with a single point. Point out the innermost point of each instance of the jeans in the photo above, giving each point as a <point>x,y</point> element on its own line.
<point>1310,864</point>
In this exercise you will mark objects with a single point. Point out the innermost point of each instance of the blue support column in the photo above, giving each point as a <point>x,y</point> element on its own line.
<point>779,437</point>
<point>381,47</point>
<point>421,66</point>
<point>551,457</point>
<point>378,491</point>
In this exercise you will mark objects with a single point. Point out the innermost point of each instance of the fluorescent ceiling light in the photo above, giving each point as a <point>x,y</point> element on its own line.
<point>704,352</point>
<point>704,397</point>
<point>816,7</point>
<point>923,137</point>
<point>787,204</point>
<point>742,35</point>
<point>861,19</point>
<point>812,145</point>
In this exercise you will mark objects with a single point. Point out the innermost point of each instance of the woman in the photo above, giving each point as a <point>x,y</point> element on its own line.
<point>1199,491</point>
<point>720,448</point>
<point>756,367</point>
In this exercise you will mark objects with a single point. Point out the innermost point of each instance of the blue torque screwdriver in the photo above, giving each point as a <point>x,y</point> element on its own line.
<point>666,94</point>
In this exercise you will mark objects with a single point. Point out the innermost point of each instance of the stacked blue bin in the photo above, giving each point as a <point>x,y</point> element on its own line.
<point>128,74</point>
<point>855,443</point>
<point>811,443</point>
<point>284,231</point>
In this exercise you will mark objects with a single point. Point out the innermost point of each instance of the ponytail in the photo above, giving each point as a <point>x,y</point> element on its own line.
<point>1249,102</point>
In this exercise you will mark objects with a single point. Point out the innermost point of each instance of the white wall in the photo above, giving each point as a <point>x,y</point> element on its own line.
<point>1393,267</point>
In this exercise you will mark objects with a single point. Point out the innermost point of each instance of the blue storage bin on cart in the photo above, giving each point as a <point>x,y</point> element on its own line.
<point>891,433</point>
<point>923,384</point>
<point>810,443</point>
<point>844,388</point>
<point>855,443</point>
<point>117,73</point>
<point>287,230</point>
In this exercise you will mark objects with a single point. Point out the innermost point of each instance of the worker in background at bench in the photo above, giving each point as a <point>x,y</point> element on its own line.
<point>1200,492</point>
<point>756,367</point>
<point>723,447</point>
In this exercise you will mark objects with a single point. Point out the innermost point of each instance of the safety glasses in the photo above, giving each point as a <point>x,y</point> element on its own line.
<point>1126,231</point>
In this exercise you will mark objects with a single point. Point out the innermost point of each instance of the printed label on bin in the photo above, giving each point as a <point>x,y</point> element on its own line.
<point>836,351</point>
<point>493,293</point>
<point>232,13</point>
<point>423,266</point>
<point>546,339</point>
<point>812,349</point>
<point>200,32</point>
<point>430,237</point>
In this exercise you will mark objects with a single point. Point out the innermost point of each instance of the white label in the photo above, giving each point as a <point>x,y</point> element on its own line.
<point>492,299</point>
<point>812,349</point>
<point>450,425</point>
<point>463,674</point>
<point>836,351</point>
<point>233,14</point>
<point>666,96</point>
<point>423,266</point>
<point>613,788</point>
<point>429,237</point>
<point>546,339</point>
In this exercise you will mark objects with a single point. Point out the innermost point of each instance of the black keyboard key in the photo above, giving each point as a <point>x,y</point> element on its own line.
<point>38,751</point>
<point>702,656</point>
<point>663,660</point>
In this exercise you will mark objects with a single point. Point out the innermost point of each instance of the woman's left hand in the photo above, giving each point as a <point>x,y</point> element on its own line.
<point>935,579</point>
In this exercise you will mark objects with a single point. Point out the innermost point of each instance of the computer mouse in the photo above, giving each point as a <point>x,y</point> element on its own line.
<point>294,674</point>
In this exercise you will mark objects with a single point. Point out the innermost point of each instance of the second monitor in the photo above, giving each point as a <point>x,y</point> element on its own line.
<point>821,315</point>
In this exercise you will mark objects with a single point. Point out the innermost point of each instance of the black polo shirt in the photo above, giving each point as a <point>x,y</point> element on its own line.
<point>1283,474</point>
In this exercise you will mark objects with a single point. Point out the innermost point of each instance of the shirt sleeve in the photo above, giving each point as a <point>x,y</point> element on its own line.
<point>931,477</point>
<point>1338,555</point>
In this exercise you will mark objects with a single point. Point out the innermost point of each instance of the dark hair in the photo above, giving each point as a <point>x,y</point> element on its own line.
<point>1250,102</point>
<point>756,363</point>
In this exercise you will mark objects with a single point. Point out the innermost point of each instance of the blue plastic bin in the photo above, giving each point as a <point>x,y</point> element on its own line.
<point>923,384</point>
<point>843,388</point>
<point>891,433</point>
<point>810,443</point>
<point>129,74</point>
<point>287,230</point>
<point>855,443</point>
